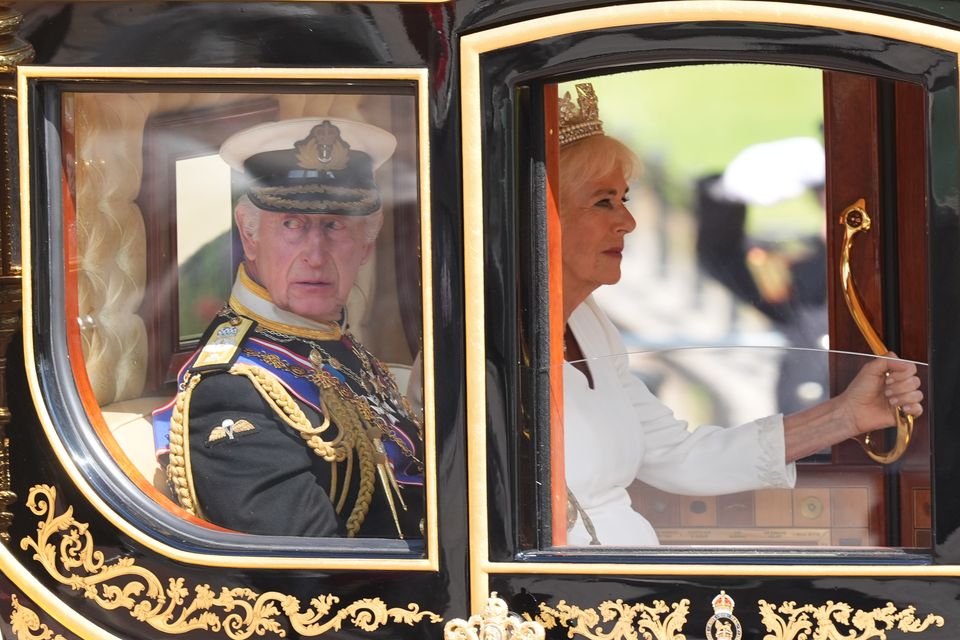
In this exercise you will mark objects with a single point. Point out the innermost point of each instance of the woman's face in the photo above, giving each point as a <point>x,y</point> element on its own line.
<point>593,223</point>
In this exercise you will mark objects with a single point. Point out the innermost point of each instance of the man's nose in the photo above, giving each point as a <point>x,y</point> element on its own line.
<point>315,251</point>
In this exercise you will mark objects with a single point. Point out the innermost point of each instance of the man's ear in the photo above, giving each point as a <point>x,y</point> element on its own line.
<point>367,251</point>
<point>371,228</point>
<point>246,239</point>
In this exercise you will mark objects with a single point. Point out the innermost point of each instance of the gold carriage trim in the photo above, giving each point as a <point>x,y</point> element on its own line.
<point>618,620</point>
<point>173,607</point>
<point>660,621</point>
<point>791,621</point>
<point>494,623</point>
<point>26,623</point>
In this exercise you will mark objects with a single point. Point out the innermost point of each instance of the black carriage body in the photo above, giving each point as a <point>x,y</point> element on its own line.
<point>485,70</point>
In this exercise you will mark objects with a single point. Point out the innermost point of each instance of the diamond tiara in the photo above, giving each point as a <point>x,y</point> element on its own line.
<point>580,120</point>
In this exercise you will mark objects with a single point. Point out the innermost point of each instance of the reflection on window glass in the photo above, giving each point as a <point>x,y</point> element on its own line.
<point>699,194</point>
<point>203,255</point>
<point>232,297</point>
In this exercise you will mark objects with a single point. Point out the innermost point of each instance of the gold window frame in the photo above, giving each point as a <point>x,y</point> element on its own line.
<point>473,46</point>
<point>419,76</point>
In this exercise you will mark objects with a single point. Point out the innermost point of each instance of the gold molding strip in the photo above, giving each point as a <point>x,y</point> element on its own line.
<point>420,77</point>
<point>26,623</point>
<point>617,620</point>
<point>65,548</point>
<point>759,570</point>
<point>472,46</point>
<point>840,620</point>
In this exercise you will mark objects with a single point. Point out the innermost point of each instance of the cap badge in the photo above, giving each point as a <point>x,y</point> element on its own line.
<point>323,149</point>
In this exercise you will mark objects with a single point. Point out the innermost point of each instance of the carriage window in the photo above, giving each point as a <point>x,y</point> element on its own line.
<point>233,253</point>
<point>701,348</point>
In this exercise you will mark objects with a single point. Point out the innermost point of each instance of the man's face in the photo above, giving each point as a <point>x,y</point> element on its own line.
<point>308,263</point>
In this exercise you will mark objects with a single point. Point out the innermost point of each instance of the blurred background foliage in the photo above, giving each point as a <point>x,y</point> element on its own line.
<point>689,121</point>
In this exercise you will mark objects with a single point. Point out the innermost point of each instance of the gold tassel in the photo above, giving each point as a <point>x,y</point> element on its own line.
<point>347,418</point>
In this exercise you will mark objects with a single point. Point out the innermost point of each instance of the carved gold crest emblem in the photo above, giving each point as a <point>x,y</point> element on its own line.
<point>723,625</point>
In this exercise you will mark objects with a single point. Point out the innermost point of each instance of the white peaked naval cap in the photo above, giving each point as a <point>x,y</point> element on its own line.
<point>377,143</point>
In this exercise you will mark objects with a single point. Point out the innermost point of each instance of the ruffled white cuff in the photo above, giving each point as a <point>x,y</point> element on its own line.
<point>772,469</point>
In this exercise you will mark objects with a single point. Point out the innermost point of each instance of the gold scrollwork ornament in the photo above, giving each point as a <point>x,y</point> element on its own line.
<point>839,620</point>
<point>26,624</point>
<point>723,625</point>
<point>657,622</point>
<point>494,623</point>
<point>238,612</point>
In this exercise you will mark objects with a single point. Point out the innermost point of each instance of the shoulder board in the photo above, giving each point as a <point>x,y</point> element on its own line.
<point>223,346</point>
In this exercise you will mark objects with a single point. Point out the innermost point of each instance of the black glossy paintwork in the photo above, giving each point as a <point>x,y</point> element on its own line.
<point>484,14</point>
<point>929,596</point>
<point>402,35</point>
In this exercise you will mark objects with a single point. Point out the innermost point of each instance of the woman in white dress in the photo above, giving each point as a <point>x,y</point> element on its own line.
<point>615,429</point>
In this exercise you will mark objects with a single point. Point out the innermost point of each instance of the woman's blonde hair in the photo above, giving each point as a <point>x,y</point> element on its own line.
<point>592,158</point>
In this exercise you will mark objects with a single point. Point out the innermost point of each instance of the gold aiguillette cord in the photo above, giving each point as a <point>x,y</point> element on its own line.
<point>387,479</point>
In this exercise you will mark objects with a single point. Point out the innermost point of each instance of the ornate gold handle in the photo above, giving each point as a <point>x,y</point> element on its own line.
<point>855,219</point>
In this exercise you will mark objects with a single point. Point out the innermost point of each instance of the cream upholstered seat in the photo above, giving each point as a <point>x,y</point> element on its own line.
<point>129,421</point>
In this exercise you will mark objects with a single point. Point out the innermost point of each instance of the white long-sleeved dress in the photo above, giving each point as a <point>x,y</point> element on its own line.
<point>619,431</point>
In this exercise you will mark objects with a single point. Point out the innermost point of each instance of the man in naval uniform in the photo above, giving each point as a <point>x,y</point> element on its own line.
<point>284,424</point>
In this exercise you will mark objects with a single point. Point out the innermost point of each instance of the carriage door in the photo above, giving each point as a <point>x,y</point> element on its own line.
<point>732,304</point>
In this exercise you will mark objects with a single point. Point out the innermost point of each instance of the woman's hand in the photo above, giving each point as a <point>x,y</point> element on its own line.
<point>868,403</point>
<point>872,397</point>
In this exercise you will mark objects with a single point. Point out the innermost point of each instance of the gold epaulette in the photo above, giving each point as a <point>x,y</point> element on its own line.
<point>223,346</point>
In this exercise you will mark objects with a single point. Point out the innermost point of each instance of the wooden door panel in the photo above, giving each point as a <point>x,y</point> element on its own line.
<point>853,171</point>
<point>876,150</point>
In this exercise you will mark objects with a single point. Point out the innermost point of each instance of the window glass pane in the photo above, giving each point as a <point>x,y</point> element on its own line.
<point>244,302</point>
<point>695,293</point>
<point>205,266</point>
<point>709,441</point>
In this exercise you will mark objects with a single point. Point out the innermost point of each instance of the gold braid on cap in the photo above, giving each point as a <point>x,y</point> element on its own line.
<point>581,120</point>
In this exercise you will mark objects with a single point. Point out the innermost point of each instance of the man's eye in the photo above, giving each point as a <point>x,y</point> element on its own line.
<point>336,225</point>
<point>293,223</point>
